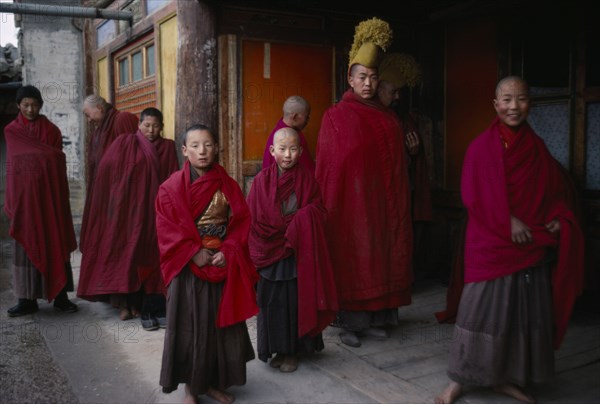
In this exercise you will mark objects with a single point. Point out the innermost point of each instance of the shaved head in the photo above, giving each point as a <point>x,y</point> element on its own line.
<point>510,79</point>
<point>295,105</point>
<point>284,133</point>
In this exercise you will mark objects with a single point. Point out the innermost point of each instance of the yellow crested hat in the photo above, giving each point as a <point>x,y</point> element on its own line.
<point>400,69</point>
<point>371,38</point>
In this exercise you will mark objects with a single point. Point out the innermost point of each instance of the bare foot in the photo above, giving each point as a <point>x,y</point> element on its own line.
<point>515,392</point>
<point>189,397</point>
<point>135,312</point>
<point>450,394</point>
<point>125,314</point>
<point>190,400</point>
<point>221,396</point>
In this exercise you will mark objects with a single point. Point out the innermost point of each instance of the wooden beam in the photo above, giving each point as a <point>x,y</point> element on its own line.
<point>196,99</point>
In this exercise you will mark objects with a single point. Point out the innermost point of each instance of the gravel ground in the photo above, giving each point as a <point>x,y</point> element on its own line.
<point>28,374</point>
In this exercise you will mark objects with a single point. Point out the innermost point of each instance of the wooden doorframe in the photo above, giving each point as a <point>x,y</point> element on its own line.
<point>230,117</point>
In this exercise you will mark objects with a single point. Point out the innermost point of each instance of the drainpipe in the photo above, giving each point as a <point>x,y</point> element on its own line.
<point>66,11</point>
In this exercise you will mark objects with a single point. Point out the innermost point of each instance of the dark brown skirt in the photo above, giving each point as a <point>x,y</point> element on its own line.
<point>503,331</point>
<point>277,321</point>
<point>28,282</point>
<point>196,352</point>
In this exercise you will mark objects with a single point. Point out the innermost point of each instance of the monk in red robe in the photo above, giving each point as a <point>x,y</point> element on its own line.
<point>361,169</point>
<point>151,126</point>
<point>38,209</point>
<point>203,222</point>
<point>523,258</point>
<point>296,113</point>
<point>110,123</point>
<point>397,73</point>
<point>296,291</point>
<point>153,314</point>
<point>120,259</point>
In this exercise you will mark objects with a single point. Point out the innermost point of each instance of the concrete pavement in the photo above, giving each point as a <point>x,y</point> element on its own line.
<point>93,357</point>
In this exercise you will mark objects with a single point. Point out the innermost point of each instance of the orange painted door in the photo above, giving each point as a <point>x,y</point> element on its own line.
<point>271,73</point>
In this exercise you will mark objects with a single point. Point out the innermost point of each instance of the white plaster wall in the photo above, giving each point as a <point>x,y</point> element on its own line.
<point>52,53</point>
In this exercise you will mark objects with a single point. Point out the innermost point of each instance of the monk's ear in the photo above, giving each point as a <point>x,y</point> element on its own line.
<point>300,151</point>
<point>272,150</point>
<point>495,103</point>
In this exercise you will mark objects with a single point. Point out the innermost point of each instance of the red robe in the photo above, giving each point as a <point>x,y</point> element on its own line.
<point>120,253</point>
<point>362,172</point>
<point>525,181</point>
<point>37,198</point>
<point>167,157</point>
<point>274,237</point>
<point>178,204</point>
<point>306,159</point>
<point>115,123</point>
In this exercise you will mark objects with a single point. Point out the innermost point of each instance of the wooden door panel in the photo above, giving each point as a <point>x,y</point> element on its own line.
<point>271,73</point>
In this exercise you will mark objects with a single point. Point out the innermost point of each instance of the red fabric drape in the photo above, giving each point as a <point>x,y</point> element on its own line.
<point>178,204</point>
<point>305,160</point>
<point>524,181</point>
<point>121,253</point>
<point>167,157</point>
<point>361,169</point>
<point>274,237</point>
<point>37,197</point>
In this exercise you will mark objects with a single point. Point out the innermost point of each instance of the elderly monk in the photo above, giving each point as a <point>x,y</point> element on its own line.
<point>109,124</point>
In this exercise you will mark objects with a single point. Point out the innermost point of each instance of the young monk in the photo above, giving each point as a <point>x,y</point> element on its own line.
<point>38,209</point>
<point>203,222</point>
<point>296,114</point>
<point>523,257</point>
<point>153,313</point>
<point>151,126</point>
<point>296,291</point>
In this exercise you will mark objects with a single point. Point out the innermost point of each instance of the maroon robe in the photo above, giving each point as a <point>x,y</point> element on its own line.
<point>305,160</point>
<point>115,123</point>
<point>37,198</point>
<point>274,237</point>
<point>167,157</point>
<point>525,181</point>
<point>120,254</point>
<point>362,172</point>
<point>178,205</point>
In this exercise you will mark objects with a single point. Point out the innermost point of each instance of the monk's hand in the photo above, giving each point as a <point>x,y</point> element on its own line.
<point>202,257</point>
<point>520,232</point>
<point>553,226</point>
<point>218,260</point>
<point>412,143</point>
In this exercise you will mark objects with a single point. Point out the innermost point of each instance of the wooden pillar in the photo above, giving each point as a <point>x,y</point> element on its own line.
<point>196,97</point>
<point>230,123</point>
